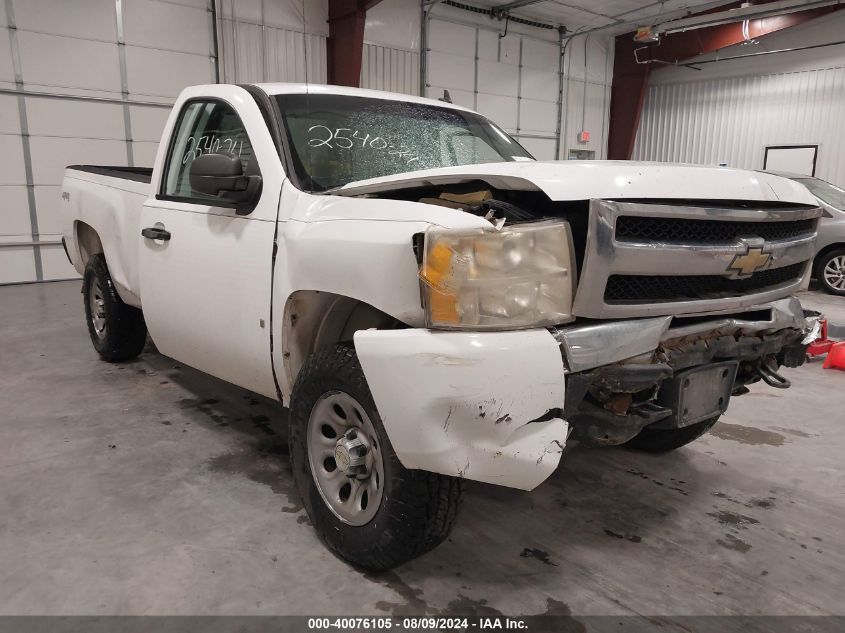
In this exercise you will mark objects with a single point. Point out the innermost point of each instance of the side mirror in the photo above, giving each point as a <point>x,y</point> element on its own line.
<point>222,176</point>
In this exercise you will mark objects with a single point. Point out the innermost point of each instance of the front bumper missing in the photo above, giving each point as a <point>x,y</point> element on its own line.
<point>497,406</point>
<point>609,342</point>
<point>625,375</point>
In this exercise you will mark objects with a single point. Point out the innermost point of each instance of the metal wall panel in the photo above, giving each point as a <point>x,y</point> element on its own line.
<point>7,71</point>
<point>515,78</point>
<point>56,61</point>
<point>145,77</point>
<point>391,69</point>
<point>11,161</point>
<point>310,16</point>
<point>394,24</point>
<point>16,264</point>
<point>511,79</point>
<point>258,53</point>
<point>147,124</point>
<point>76,86</point>
<point>732,120</point>
<point>588,72</point>
<point>88,19</point>
<point>167,26</point>
<point>269,41</point>
<point>134,53</point>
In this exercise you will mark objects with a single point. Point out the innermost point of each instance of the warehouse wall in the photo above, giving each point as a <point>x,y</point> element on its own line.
<point>511,79</point>
<point>588,74</point>
<point>514,79</point>
<point>76,88</point>
<point>92,81</point>
<point>391,56</point>
<point>730,111</point>
<point>272,40</point>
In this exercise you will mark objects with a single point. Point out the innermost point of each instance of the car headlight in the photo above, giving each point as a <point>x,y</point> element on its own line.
<point>517,277</point>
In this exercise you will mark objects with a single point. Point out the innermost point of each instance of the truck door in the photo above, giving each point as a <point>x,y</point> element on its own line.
<point>205,270</point>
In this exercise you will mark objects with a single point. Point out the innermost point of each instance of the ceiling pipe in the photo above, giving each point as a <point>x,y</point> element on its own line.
<point>516,4</point>
<point>630,75</point>
<point>629,23</point>
<point>752,12</point>
<point>761,53</point>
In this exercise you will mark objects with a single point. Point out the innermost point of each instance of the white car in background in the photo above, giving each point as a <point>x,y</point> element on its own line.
<point>829,263</point>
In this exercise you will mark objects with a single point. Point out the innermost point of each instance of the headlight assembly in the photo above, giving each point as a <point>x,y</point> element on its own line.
<point>519,277</point>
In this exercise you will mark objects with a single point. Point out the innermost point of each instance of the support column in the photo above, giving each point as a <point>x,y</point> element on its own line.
<point>345,45</point>
<point>627,95</point>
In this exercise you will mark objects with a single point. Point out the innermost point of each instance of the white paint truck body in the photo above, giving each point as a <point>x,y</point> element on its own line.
<point>248,296</point>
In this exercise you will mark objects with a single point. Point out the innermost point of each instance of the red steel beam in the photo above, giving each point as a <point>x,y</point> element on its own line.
<point>630,79</point>
<point>627,94</point>
<point>345,45</point>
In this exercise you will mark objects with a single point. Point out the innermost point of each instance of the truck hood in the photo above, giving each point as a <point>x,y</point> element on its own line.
<point>585,180</point>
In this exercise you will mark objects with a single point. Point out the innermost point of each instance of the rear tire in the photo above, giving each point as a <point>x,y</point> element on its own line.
<point>117,330</point>
<point>405,514</point>
<point>664,440</point>
<point>830,271</point>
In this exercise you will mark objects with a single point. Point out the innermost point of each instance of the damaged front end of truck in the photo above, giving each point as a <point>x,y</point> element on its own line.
<point>637,318</point>
<point>684,371</point>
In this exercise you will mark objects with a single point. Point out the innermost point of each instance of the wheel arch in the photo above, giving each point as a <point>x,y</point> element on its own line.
<point>824,252</point>
<point>88,242</point>
<point>817,265</point>
<point>314,319</point>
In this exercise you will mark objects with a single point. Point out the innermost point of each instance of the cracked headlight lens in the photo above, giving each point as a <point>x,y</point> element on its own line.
<point>521,276</point>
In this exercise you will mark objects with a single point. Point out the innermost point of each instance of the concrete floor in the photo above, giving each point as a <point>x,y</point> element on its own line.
<point>149,488</point>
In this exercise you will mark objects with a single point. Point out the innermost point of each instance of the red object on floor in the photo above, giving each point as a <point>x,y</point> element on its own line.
<point>822,344</point>
<point>835,357</point>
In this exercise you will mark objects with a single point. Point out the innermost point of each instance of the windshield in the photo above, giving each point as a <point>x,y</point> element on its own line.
<point>825,191</point>
<point>338,139</point>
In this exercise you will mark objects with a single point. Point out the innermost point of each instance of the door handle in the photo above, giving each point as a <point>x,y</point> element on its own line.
<point>155,233</point>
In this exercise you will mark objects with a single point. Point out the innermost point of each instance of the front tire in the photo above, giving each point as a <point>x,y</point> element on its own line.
<point>664,440</point>
<point>117,330</point>
<point>830,271</point>
<point>369,509</point>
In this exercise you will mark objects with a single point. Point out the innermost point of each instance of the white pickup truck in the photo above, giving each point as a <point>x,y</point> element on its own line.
<point>431,303</point>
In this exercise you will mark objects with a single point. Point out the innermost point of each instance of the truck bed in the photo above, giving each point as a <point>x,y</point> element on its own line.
<point>109,200</point>
<point>136,174</point>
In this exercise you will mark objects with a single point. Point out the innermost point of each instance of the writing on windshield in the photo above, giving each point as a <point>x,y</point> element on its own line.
<point>338,139</point>
<point>345,138</point>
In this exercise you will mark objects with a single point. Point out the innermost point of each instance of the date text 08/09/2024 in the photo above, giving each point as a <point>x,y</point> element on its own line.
<point>417,624</point>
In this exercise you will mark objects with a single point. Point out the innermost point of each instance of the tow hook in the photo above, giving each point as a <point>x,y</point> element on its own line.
<point>772,378</point>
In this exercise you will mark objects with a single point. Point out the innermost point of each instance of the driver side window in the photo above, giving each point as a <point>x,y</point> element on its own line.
<point>204,127</point>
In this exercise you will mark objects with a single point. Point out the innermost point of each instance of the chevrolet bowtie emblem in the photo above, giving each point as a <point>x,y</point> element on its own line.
<point>750,262</point>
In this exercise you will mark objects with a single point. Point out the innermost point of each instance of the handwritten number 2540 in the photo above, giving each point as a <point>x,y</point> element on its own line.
<point>344,138</point>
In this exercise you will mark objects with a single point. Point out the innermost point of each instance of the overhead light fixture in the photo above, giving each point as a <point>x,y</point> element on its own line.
<point>646,35</point>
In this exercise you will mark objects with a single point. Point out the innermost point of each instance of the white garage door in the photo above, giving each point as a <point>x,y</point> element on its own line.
<point>84,81</point>
<point>513,80</point>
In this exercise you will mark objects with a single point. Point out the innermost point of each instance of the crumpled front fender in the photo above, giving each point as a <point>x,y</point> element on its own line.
<point>479,405</point>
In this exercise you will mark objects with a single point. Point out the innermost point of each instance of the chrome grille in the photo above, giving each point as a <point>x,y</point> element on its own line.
<point>661,288</point>
<point>649,259</point>
<point>631,228</point>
